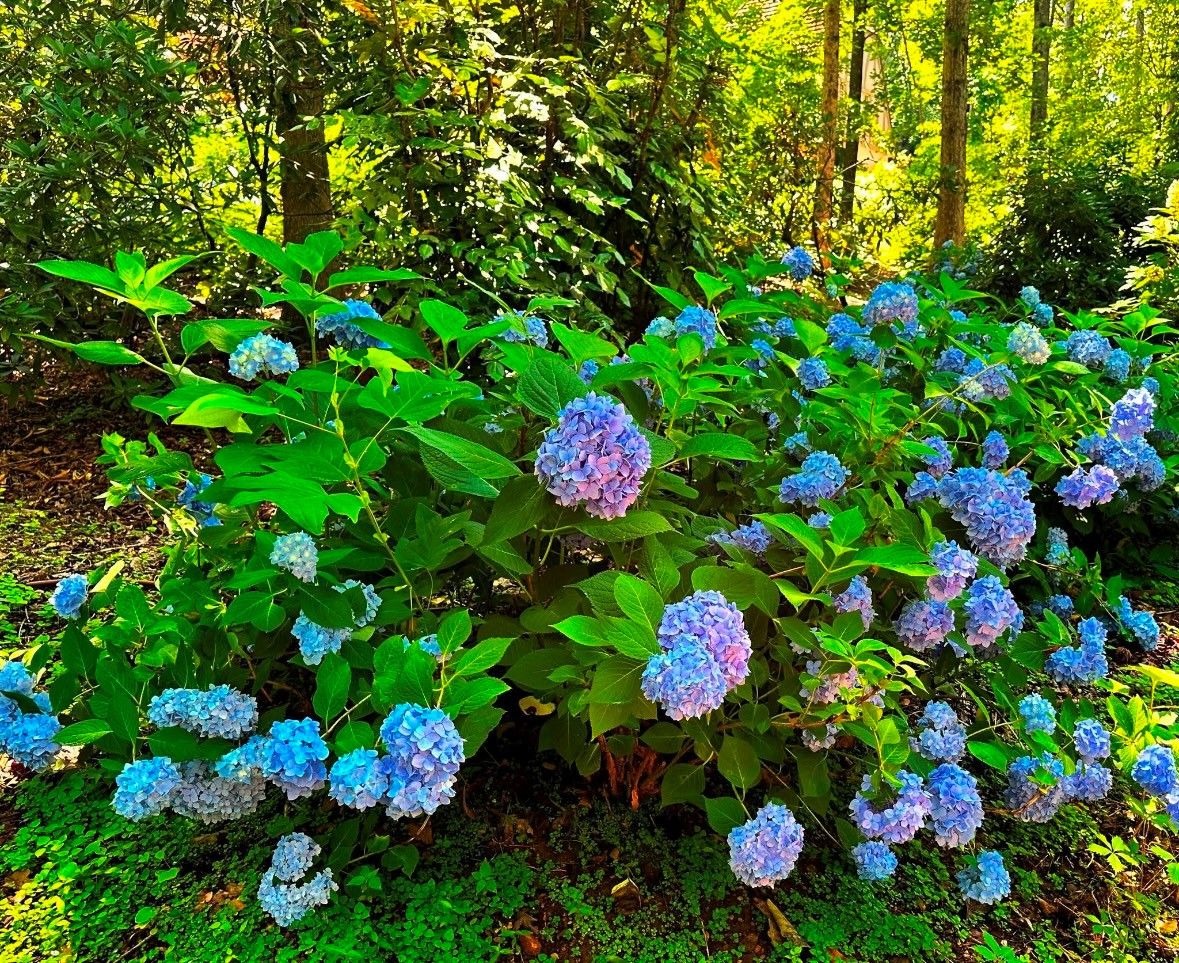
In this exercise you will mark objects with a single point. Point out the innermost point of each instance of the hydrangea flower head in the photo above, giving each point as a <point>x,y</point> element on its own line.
<point>1140,624</point>
<point>754,537</point>
<point>801,264</point>
<point>1032,800</point>
<point>342,326</point>
<point>425,753</point>
<point>924,486</point>
<point>1084,663</point>
<point>697,320</point>
<point>956,567</point>
<point>716,625</point>
<point>995,451</point>
<point>797,445</point>
<point>1058,551</point>
<point>685,680</point>
<point>874,860</point>
<point>1117,365</point>
<point>980,381</point>
<point>526,328</point>
<point>821,476</point>
<point>892,302</point>
<point>820,520</point>
<point>783,328</point>
<point>857,597</point>
<point>1029,296</point>
<point>595,456</point>
<point>941,737</point>
<point>1090,782</point>
<point>953,360</point>
<point>942,459</point>
<point>1091,740</point>
<point>260,353</point>
<point>1132,415</point>
<point>813,374</point>
<point>1038,713</point>
<point>588,369</point>
<point>924,624</point>
<point>69,596</point>
<point>957,806</point>
<point>1083,488</point>
<point>294,756</point>
<point>144,787</point>
<point>359,779</point>
<point>285,892</point>
<point>899,821</point>
<point>1088,348</point>
<point>1154,770</point>
<point>990,611</point>
<point>999,519</point>
<point>315,641</point>
<point>190,500</point>
<point>216,712</point>
<point>245,762</point>
<point>1027,344</point>
<point>661,327</point>
<point>297,554</point>
<point>985,879</point>
<point>205,796</point>
<point>764,850</point>
<point>28,737</point>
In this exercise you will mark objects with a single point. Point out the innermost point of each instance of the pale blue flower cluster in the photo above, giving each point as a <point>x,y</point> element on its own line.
<point>784,328</point>
<point>685,680</point>
<point>359,779</point>
<point>857,597</point>
<point>1032,799</point>
<point>822,476</point>
<point>985,879</point>
<point>1081,663</point>
<point>801,264</point>
<point>69,596</point>
<point>874,860</point>
<point>1030,296</point>
<point>924,624</point>
<point>1132,415</point>
<point>716,625</point>
<point>342,326</point>
<point>753,537</point>
<point>1092,740</point>
<point>293,755</point>
<point>297,554</point>
<point>899,821</point>
<point>144,787</point>
<point>216,712</point>
<point>661,327</point>
<point>260,353</point>
<point>1027,344</point>
<point>26,737</point>
<point>813,374</point>
<point>956,567</point>
<point>697,320</point>
<point>190,500</point>
<point>990,611</point>
<point>588,369</point>
<point>425,753</point>
<point>595,456</point>
<point>1088,348</point>
<point>957,810</point>
<point>892,302</point>
<point>820,520</point>
<point>995,451</point>
<point>846,334</point>
<point>1058,551</point>
<point>1086,487</point>
<point>980,381</point>
<point>205,796</point>
<point>764,850</point>
<point>285,892</point>
<point>1090,781</point>
<point>1140,624</point>
<point>1038,713</point>
<point>315,641</point>
<point>797,445</point>
<point>999,519</point>
<point>430,645</point>
<point>940,736</point>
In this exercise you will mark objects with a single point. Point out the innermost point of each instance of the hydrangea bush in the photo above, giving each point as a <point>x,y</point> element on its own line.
<point>773,526</point>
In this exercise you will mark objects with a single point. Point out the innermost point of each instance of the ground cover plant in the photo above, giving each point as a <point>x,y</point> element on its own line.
<point>802,566</point>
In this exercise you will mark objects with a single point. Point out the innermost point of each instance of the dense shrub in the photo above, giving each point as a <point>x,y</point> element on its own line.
<point>811,550</point>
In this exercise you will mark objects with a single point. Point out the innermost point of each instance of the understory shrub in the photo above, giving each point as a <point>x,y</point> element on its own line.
<point>778,559</point>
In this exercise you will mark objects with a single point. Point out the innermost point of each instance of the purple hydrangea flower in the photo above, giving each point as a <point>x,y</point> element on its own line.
<point>262,353</point>
<point>69,596</point>
<point>957,809</point>
<point>955,569</point>
<point>216,712</point>
<point>716,625</point>
<point>293,757</point>
<point>942,459</point>
<point>1000,521</point>
<point>822,476</point>
<point>980,381</point>
<point>985,879</point>
<point>144,787</point>
<point>813,374</point>
<point>924,486</point>
<point>765,849</point>
<point>892,302</point>
<point>874,860</point>
<point>924,624</point>
<point>801,264</point>
<point>899,821</point>
<point>1084,663</point>
<point>342,326</point>
<point>830,685</point>
<point>1085,487</point>
<point>990,611</point>
<point>297,554</point>
<point>995,451</point>
<point>685,680</point>
<point>425,753</point>
<point>857,597</point>
<point>1132,415</point>
<point>595,456</point>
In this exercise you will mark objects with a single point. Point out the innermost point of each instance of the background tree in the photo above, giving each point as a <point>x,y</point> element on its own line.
<point>951,201</point>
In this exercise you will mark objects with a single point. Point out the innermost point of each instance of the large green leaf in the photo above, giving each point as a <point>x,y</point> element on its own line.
<point>333,679</point>
<point>480,459</point>
<point>548,384</point>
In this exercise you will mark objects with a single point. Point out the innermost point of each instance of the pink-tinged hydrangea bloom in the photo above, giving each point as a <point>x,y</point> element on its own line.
<point>595,456</point>
<point>1085,487</point>
<point>900,819</point>
<point>955,568</point>
<point>990,611</point>
<point>716,625</point>
<point>764,850</point>
<point>857,597</point>
<point>830,685</point>
<point>924,624</point>
<point>685,680</point>
<point>994,508</point>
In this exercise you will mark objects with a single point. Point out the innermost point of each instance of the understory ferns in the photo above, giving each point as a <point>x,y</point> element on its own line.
<point>816,557</point>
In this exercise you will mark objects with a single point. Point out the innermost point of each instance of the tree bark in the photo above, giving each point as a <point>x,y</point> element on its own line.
<point>950,224</point>
<point>1041,50</point>
<point>825,181</point>
<point>850,159</point>
<point>303,168</point>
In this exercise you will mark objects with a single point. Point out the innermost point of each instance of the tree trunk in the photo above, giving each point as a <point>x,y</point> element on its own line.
<point>305,186</point>
<point>951,199</point>
<point>850,160</point>
<point>825,184</point>
<point>1041,47</point>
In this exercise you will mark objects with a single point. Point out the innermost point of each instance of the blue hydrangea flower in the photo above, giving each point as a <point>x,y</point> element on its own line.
<point>595,456</point>
<point>822,476</point>
<point>1029,296</point>
<point>999,519</point>
<point>764,850</point>
<point>285,892</point>
<point>1090,782</point>
<point>359,779</point>
<point>1131,460</point>
<point>957,810</point>
<point>372,601</point>
<point>801,264</point>
<point>942,459</point>
<point>1132,415</point>
<point>430,645</point>
<point>959,317</point>
<point>697,320</point>
<point>716,625</point>
<point>14,677</point>
<point>685,680</point>
<point>765,354</point>
<point>1088,348</point>
<point>952,360</point>
<point>995,451</point>
<point>1060,605</point>
<point>797,445</point>
<point>1154,770</point>
<point>1058,551</point>
<point>525,329</point>
<point>899,821</point>
<point>1033,800</point>
<point>941,737</point>
<point>425,753</point>
<point>1085,487</point>
<point>297,554</point>
<point>293,757</point>
<point>293,857</point>
<point>1084,663</point>
<point>661,327</point>
<point>1042,314</point>
<point>245,762</point>
<point>28,737</point>
<point>262,353</point>
<point>754,537</point>
<point>813,374</point>
<point>1140,624</point>
<point>956,568</point>
<point>845,333</point>
<point>924,486</point>
<point>342,327</point>
<point>990,611</point>
<point>190,500</point>
<point>924,624</point>
<point>1027,344</point>
<point>1117,365</point>
<point>315,641</point>
<point>857,597</point>
<point>208,798</point>
<point>588,369</point>
<point>874,860</point>
<point>893,302</point>
<point>1038,713</point>
<point>1152,385</point>
<point>819,520</point>
<point>144,787</point>
<point>980,381</point>
<point>69,596</point>
<point>218,711</point>
<point>783,328</point>
<point>985,879</point>
<point>1091,739</point>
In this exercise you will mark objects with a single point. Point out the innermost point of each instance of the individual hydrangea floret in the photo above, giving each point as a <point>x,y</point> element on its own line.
<point>857,597</point>
<point>764,850</point>
<point>1038,713</point>
<point>892,302</point>
<point>956,567</point>
<point>1117,365</point>
<point>216,712</point>
<point>957,810</point>
<point>359,779</point>
<point>685,680</point>
<point>1132,415</point>
<point>297,554</point>
<point>813,374</point>
<point>1090,782</point>
<point>1088,348</point>
<point>1035,789</point>
<point>874,860</point>
<point>995,451</point>
<point>940,736</point>
<point>991,610</point>
<point>942,459</point>
<point>342,327</point>
<point>985,879</point>
<point>1027,344</point>
<point>69,596</point>
<point>1083,488</point>
<point>1091,739</point>
<point>1140,624</point>
<point>144,787</point>
<point>716,625</point>
<point>425,754</point>
<point>821,477</point>
<point>753,537</point>
<point>205,796</point>
<point>595,456</point>
<point>924,624</point>
<point>697,320</point>
<point>801,264</point>
<point>260,353</point>
<point>294,757</point>
<point>1155,771</point>
<point>999,519</point>
<point>899,821</point>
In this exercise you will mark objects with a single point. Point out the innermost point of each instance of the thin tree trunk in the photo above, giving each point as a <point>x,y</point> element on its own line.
<point>1041,49</point>
<point>825,183</point>
<point>951,199</point>
<point>305,187</point>
<point>850,160</point>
